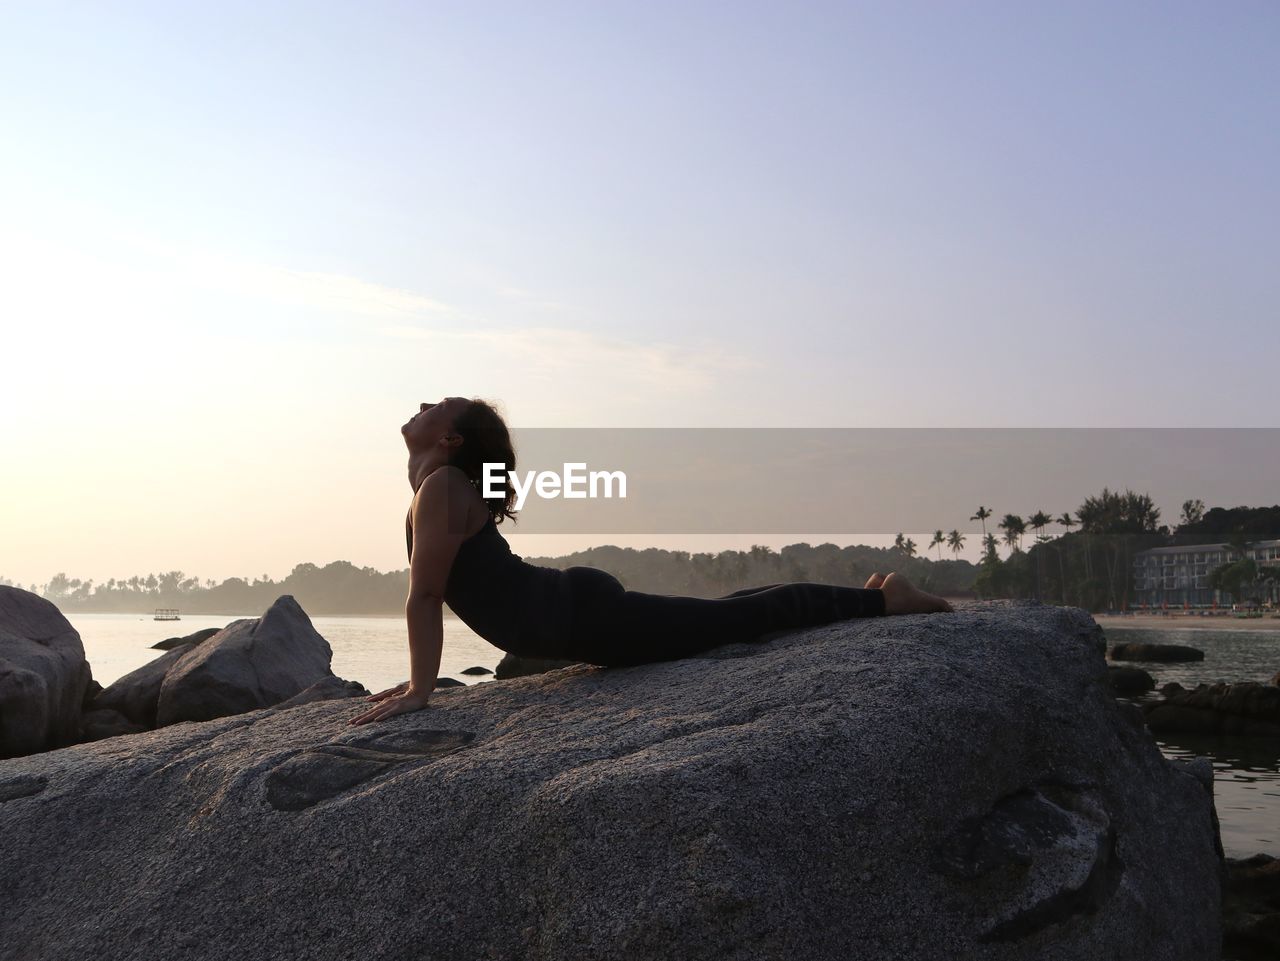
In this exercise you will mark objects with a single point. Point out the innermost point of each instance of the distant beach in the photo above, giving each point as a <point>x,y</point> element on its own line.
<point>1188,622</point>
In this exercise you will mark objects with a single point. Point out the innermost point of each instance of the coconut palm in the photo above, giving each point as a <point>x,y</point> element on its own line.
<point>1038,522</point>
<point>955,541</point>
<point>1014,527</point>
<point>1068,522</point>
<point>982,515</point>
<point>939,539</point>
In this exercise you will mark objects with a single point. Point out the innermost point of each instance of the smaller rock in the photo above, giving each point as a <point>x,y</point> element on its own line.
<point>1130,680</point>
<point>1155,652</point>
<point>477,670</point>
<point>250,664</point>
<point>448,682</point>
<point>326,689</point>
<point>1251,907</point>
<point>106,722</point>
<point>201,635</point>
<point>1244,708</point>
<point>516,665</point>
<point>90,692</point>
<point>136,694</point>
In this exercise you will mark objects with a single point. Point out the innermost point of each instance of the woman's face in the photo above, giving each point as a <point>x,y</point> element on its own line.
<point>433,422</point>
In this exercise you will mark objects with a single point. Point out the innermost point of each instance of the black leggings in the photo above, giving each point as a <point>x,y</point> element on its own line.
<point>612,626</point>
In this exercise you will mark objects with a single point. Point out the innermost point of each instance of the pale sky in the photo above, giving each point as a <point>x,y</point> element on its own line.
<point>240,242</point>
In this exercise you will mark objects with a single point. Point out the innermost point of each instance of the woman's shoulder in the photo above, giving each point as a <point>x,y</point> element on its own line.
<point>446,482</point>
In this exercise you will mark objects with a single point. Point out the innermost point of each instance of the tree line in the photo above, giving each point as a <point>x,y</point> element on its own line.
<point>1087,562</point>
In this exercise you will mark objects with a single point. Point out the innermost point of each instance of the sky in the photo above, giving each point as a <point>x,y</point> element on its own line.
<point>241,242</point>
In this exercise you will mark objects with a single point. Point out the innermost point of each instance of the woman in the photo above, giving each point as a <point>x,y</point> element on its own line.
<point>457,555</point>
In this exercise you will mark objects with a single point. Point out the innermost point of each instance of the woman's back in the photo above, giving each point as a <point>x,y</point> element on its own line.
<point>514,605</point>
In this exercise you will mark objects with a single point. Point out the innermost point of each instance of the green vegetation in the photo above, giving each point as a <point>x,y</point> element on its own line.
<point>1089,564</point>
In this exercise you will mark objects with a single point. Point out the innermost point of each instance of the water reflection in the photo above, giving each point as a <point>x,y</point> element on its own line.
<point>1246,770</point>
<point>1246,787</point>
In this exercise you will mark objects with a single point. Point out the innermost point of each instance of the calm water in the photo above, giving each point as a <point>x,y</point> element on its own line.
<point>371,650</point>
<point>1246,771</point>
<point>375,652</point>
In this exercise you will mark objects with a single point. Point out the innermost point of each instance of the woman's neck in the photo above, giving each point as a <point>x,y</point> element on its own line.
<point>421,464</point>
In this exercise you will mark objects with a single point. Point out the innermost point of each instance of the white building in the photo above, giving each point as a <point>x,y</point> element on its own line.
<point>1179,576</point>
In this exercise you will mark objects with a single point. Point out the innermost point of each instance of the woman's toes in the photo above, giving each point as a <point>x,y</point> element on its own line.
<point>875,580</point>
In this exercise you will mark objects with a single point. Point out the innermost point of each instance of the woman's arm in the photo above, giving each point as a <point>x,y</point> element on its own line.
<point>439,528</point>
<point>425,617</point>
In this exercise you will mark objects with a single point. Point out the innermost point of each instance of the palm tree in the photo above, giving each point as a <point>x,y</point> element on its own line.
<point>1039,521</point>
<point>1014,527</point>
<point>1068,522</point>
<point>982,515</point>
<point>955,541</point>
<point>989,545</point>
<point>939,539</point>
<point>909,547</point>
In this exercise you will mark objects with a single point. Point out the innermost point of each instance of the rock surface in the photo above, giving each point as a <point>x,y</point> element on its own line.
<point>188,640</point>
<point>1251,911</point>
<point>946,785</point>
<point>137,694</point>
<point>517,665</point>
<point>43,675</point>
<point>251,663</point>
<point>1130,680</point>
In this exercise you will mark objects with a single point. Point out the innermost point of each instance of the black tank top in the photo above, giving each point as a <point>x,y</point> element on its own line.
<point>516,606</point>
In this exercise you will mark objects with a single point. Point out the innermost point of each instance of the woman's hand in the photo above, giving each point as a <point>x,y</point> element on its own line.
<point>407,700</point>
<point>388,692</point>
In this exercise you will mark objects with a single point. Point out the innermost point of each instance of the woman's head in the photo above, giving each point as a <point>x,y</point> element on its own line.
<point>470,433</point>
<point>486,440</point>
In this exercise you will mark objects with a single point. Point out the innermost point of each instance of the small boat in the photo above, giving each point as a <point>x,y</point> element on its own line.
<point>167,614</point>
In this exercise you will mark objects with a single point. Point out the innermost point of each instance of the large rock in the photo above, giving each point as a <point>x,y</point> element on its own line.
<point>43,675</point>
<point>951,785</point>
<point>251,663</point>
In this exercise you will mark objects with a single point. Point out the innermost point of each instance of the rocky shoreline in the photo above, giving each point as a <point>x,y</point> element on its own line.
<point>962,785</point>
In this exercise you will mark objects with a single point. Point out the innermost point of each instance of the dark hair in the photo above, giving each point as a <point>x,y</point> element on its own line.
<point>486,440</point>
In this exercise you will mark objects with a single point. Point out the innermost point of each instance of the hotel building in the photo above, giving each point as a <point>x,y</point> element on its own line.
<point>1179,576</point>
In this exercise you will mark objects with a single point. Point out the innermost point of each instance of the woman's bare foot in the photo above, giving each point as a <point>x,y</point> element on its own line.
<point>903,597</point>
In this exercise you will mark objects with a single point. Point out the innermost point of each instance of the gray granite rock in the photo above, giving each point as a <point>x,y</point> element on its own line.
<point>188,640</point>
<point>136,695</point>
<point>931,786</point>
<point>43,675</point>
<point>1130,680</point>
<point>517,665</point>
<point>249,664</point>
<point>327,689</point>
<point>1246,708</point>
<point>1156,652</point>
<point>105,722</point>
